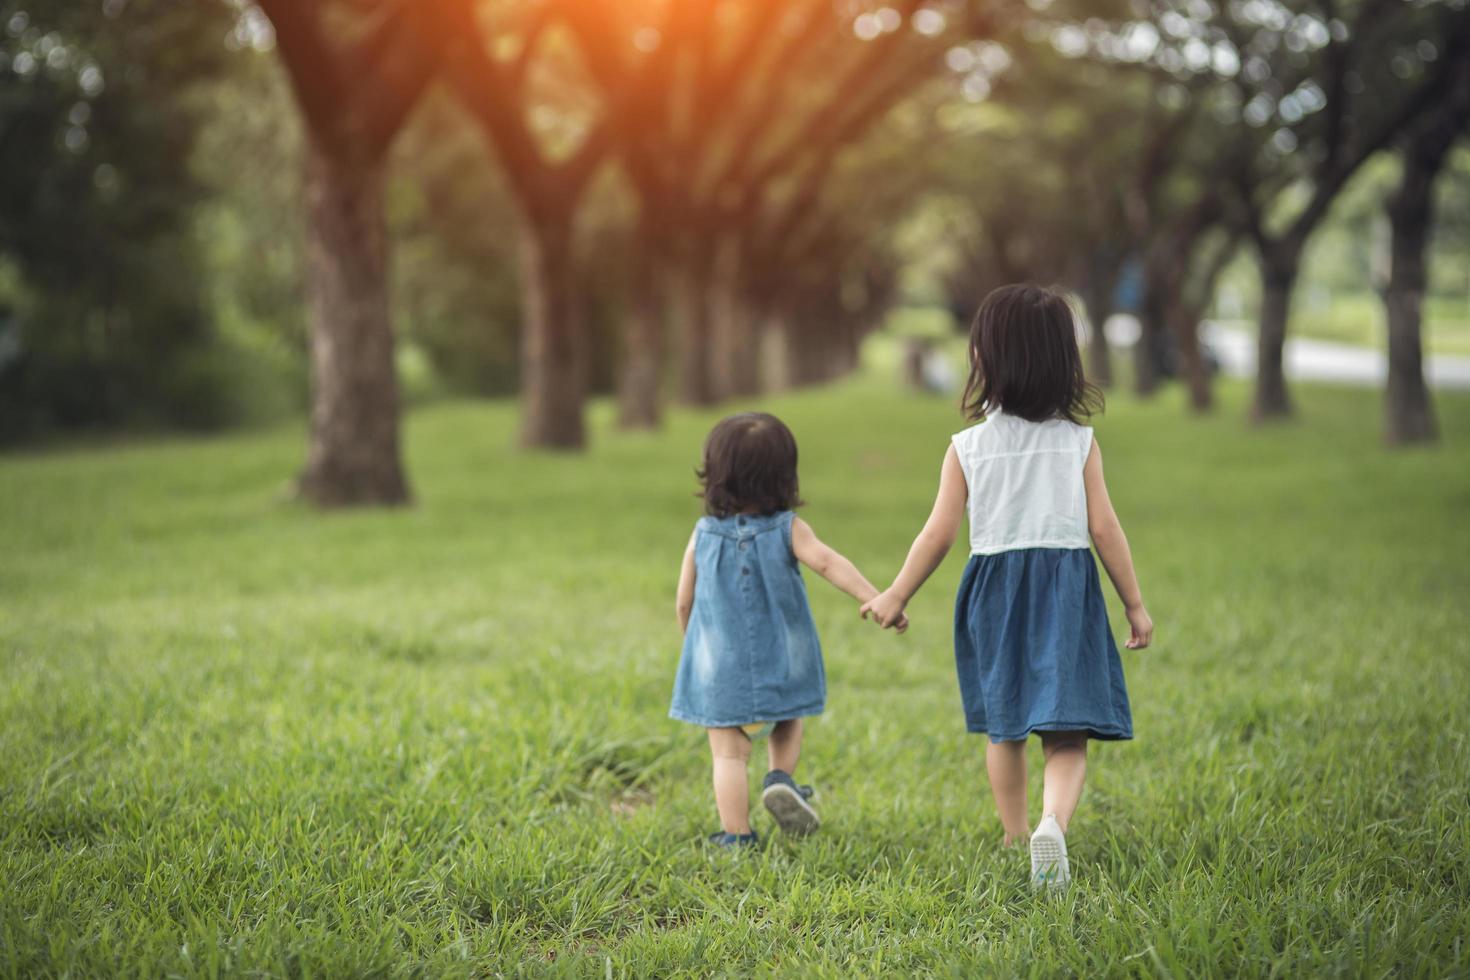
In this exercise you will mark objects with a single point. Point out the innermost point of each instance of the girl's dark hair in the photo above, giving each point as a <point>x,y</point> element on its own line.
<point>749,466</point>
<point>1024,359</point>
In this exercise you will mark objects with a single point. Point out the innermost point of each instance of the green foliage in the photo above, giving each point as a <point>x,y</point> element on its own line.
<point>107,308</point>
<point>456,239</point>
<point>1351,252</point>
<point>455,234</point>
<point>249,156</point>
<point>240,737</point>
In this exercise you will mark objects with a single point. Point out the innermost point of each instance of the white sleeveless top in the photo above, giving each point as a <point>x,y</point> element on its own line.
<point>1025,483</point>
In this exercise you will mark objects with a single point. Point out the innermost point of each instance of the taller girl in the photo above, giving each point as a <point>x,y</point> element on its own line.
<point>1033,647</point>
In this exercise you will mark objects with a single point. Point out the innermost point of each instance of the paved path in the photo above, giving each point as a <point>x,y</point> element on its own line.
<point>1324,360</point>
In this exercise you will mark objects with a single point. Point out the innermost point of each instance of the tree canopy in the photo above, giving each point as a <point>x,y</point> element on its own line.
<point>655,199</point>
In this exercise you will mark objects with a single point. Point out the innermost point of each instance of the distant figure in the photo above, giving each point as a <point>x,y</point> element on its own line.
<point>926,369</point>
<point>913,363</point>
<point>752,664</point>
<point>1033,647</point>
<point>940,377</point>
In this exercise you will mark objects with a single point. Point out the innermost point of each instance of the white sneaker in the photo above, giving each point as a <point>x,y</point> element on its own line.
<point>1049,855</point>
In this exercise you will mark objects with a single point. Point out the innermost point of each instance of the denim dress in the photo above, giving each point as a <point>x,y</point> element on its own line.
<point>751,652</point>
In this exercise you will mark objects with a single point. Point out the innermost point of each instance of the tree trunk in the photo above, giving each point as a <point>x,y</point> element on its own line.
<point>737,361</point>
<point>733,342</point>
<point>553,385</point>
<point>692,323</point>
<point>811,349</point>
<point>1408,412</point>
<point>1151,328</point>
<point>1279,267</point>
<point>745,372</point>
<point>640,375</point>
<point>777,355</point>
<point>762,362</point>
<point>1184,319</point>
<point>746,321</point>
<point>1180,316</point>
<point>353,456</point>
<point>1099,300</point>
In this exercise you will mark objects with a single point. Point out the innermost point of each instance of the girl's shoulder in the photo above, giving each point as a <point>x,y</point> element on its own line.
<point>974,432</point>
<point>1001,434</point>
<point>985,432</point>
<point>745,525</point>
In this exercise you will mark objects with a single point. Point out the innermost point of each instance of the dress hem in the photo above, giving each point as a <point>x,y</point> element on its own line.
<point>1107,733</point>
<point>805,712</point>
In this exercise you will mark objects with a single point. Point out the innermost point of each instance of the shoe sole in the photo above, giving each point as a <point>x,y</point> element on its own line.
<point>1049,862</point>
<point>793,814</point>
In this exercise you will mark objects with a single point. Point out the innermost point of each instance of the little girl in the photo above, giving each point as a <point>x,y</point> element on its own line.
<point>752,664</point>
<point>1032,643</point>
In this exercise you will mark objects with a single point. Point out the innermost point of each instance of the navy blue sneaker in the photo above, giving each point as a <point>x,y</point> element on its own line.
<point>789,804</point>
<point>721,838</point>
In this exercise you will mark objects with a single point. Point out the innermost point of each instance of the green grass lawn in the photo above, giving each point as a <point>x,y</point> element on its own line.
<point>238,737</point>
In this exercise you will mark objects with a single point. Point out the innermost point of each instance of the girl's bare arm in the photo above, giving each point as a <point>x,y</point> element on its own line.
<point>684,598</point>
<point>829,563</point>
<point>1112,547</point>
<point>930,547</point>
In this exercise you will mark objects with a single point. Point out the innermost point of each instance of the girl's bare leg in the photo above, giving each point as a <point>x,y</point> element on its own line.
<point>783,746</point>
<point>731,750</point>
<point>1005,763</point>
<point>1066,768</point>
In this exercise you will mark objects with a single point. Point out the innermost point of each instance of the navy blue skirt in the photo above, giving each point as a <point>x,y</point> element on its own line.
<point>1033,647</point>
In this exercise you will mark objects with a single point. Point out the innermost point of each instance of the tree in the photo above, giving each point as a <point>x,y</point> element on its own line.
<point>1332,85</point>
<point>356,72</point>
<point>1422,152</point>
<point>1103,141</point>
<point>1186,260</point>
<point>1276,104</point>
<point>548,179</point>
<point>729,127</point>
<point>820,277</point>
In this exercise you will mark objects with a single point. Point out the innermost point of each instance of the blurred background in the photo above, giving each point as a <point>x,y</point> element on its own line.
<point>227,214</point>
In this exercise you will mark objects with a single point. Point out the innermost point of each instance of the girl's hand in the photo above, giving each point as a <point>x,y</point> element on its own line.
<point>887,610</point>
<point>1141,626</point>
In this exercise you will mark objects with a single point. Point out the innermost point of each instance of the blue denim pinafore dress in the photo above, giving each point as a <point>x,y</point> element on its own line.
<point>751,652</point>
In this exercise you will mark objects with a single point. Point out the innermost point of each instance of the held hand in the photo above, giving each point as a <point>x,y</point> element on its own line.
<point>886,609</point>
<point>1141,628</point>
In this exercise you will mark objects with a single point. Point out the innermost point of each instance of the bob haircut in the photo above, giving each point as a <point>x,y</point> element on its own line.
<point>1024,359</point>
<point>749,466</point>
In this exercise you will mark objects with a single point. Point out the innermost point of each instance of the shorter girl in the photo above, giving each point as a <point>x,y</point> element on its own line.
<point>752,663</point>
<point>1033,647</point>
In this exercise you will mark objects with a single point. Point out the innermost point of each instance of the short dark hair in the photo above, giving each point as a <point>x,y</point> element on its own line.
<point>1024,359</point>
<point>749,466</point>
